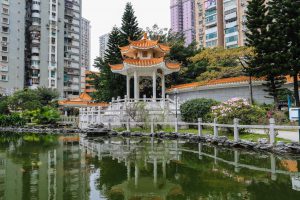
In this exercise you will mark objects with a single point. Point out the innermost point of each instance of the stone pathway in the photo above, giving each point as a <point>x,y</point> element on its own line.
<point>289,135</point>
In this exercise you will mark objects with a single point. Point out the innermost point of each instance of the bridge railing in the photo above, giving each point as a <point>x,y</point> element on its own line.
<point>270,130</point>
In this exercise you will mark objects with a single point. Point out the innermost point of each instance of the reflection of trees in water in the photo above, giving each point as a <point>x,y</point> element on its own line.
<point>111,173</point>
<point>196,177</point>
<point>278,190</point>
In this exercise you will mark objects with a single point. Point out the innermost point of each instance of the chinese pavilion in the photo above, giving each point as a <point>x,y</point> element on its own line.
<point>145,58</point>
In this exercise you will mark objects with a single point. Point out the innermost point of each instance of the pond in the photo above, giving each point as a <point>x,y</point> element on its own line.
<point>74,167</point>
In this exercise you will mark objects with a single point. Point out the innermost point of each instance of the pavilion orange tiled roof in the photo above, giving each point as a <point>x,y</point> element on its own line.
<point>83,100</point>
<point>117,67</point>
<point>144,63</point>
<point>239,79</point>
<point>145,43</point>
<point>173,65</point>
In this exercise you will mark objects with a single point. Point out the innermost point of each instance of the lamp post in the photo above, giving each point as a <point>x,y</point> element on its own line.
<point>176,101</point>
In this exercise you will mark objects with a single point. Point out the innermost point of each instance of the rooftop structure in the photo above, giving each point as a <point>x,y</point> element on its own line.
<point>84,100</point>
<point>145,58</point>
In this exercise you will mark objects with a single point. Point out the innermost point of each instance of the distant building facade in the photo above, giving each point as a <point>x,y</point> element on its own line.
<point>221,23</point>
<point>40,45</point>
<point>103,41</point>
<point>183,18</point>
<point>210,22</point>
<point>85,43</point>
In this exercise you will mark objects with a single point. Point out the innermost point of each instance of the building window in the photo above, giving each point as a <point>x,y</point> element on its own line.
<point>5,20</point>
<point>4,77</point>
<point>4,58</point>
<point>4,48</point>
<point>232,39</point>
<point>4,29</point>
<point>5,11</point>
<point>211,35</point>
<point>4,39</point>
<point>211,43</point>
<point>231,30</point>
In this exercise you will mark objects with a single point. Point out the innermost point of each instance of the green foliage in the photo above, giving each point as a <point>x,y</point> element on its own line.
<point>130,26</point>
<point>32,99</point>
<point>24,100</point>
<point>110,84</point>
<point>222,63</point>
<point>4,105</point>
<point>47,95</point>
<point>238,108</point>
<point>196,108</point>
<point>44,115</point>
<point>11,120</point>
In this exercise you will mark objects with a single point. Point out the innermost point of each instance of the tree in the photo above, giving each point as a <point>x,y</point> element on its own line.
<point>108,83</point>
<point>157,33</point>
<point>222,63</point>
<point>24,100</point>
<point>266,62</point>
<point>47,95</point>
<point>285,28</point>
<point>130,26</point>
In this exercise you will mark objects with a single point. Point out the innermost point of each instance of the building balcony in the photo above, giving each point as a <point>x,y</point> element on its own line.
<point>36,15</point>
<point>37,58</point>
<point>35,50</point>
<point>230,16</point>
<point>35,41</point>
<point>36,7</point>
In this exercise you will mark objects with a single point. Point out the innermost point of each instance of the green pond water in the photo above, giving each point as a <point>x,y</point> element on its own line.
<point>73,167</point>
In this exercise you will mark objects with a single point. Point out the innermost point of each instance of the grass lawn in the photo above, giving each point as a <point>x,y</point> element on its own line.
<point>245,136</point>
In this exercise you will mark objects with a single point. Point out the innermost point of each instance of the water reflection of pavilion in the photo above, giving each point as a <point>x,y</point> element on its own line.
<point>160,153</point>
<point>157,154</point>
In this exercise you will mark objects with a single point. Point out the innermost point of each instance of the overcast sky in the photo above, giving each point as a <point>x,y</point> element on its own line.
<point>104,14</point>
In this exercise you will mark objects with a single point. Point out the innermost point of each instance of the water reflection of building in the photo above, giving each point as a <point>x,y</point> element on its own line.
<point>37,172</point>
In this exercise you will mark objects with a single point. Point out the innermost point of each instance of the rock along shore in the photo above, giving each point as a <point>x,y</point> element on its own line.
<point>39,130</point>
<point>262,145</point>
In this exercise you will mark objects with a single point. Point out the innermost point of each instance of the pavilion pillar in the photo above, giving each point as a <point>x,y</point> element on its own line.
<point>136,95</point>
<point>128,86</point>
<point>163,86</point>
<point>154,84</point>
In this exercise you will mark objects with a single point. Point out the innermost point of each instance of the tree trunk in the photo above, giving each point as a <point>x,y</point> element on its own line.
<point>275,94</point>
<point>296,90</point>
<point>251,89</point>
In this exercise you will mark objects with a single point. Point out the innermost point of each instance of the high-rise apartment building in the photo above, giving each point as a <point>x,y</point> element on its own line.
<point>40,45</point>
<point>12,32</point>
<point>85,43</point>
<point>183,18</point>
<point>220,23</point>
<point>103,40</point>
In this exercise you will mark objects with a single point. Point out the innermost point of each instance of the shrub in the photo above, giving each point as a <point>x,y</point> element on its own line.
<point>45,115</point>
<point>12,120</point>
<point>197,108</point>
<point>238,108</point>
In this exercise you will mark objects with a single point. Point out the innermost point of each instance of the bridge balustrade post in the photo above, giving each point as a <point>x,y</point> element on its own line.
<point>128,124</point>
<point>152,125</point>
<point>176,124</point>
<point>216,134</point>
<point>272,131</point>
<point>236,129</point>
<point>200,127</point>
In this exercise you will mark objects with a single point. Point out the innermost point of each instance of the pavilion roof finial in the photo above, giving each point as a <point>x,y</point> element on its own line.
<point>145,36</point>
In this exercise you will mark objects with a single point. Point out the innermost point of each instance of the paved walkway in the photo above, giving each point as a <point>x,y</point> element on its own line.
<point>289,135</point>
